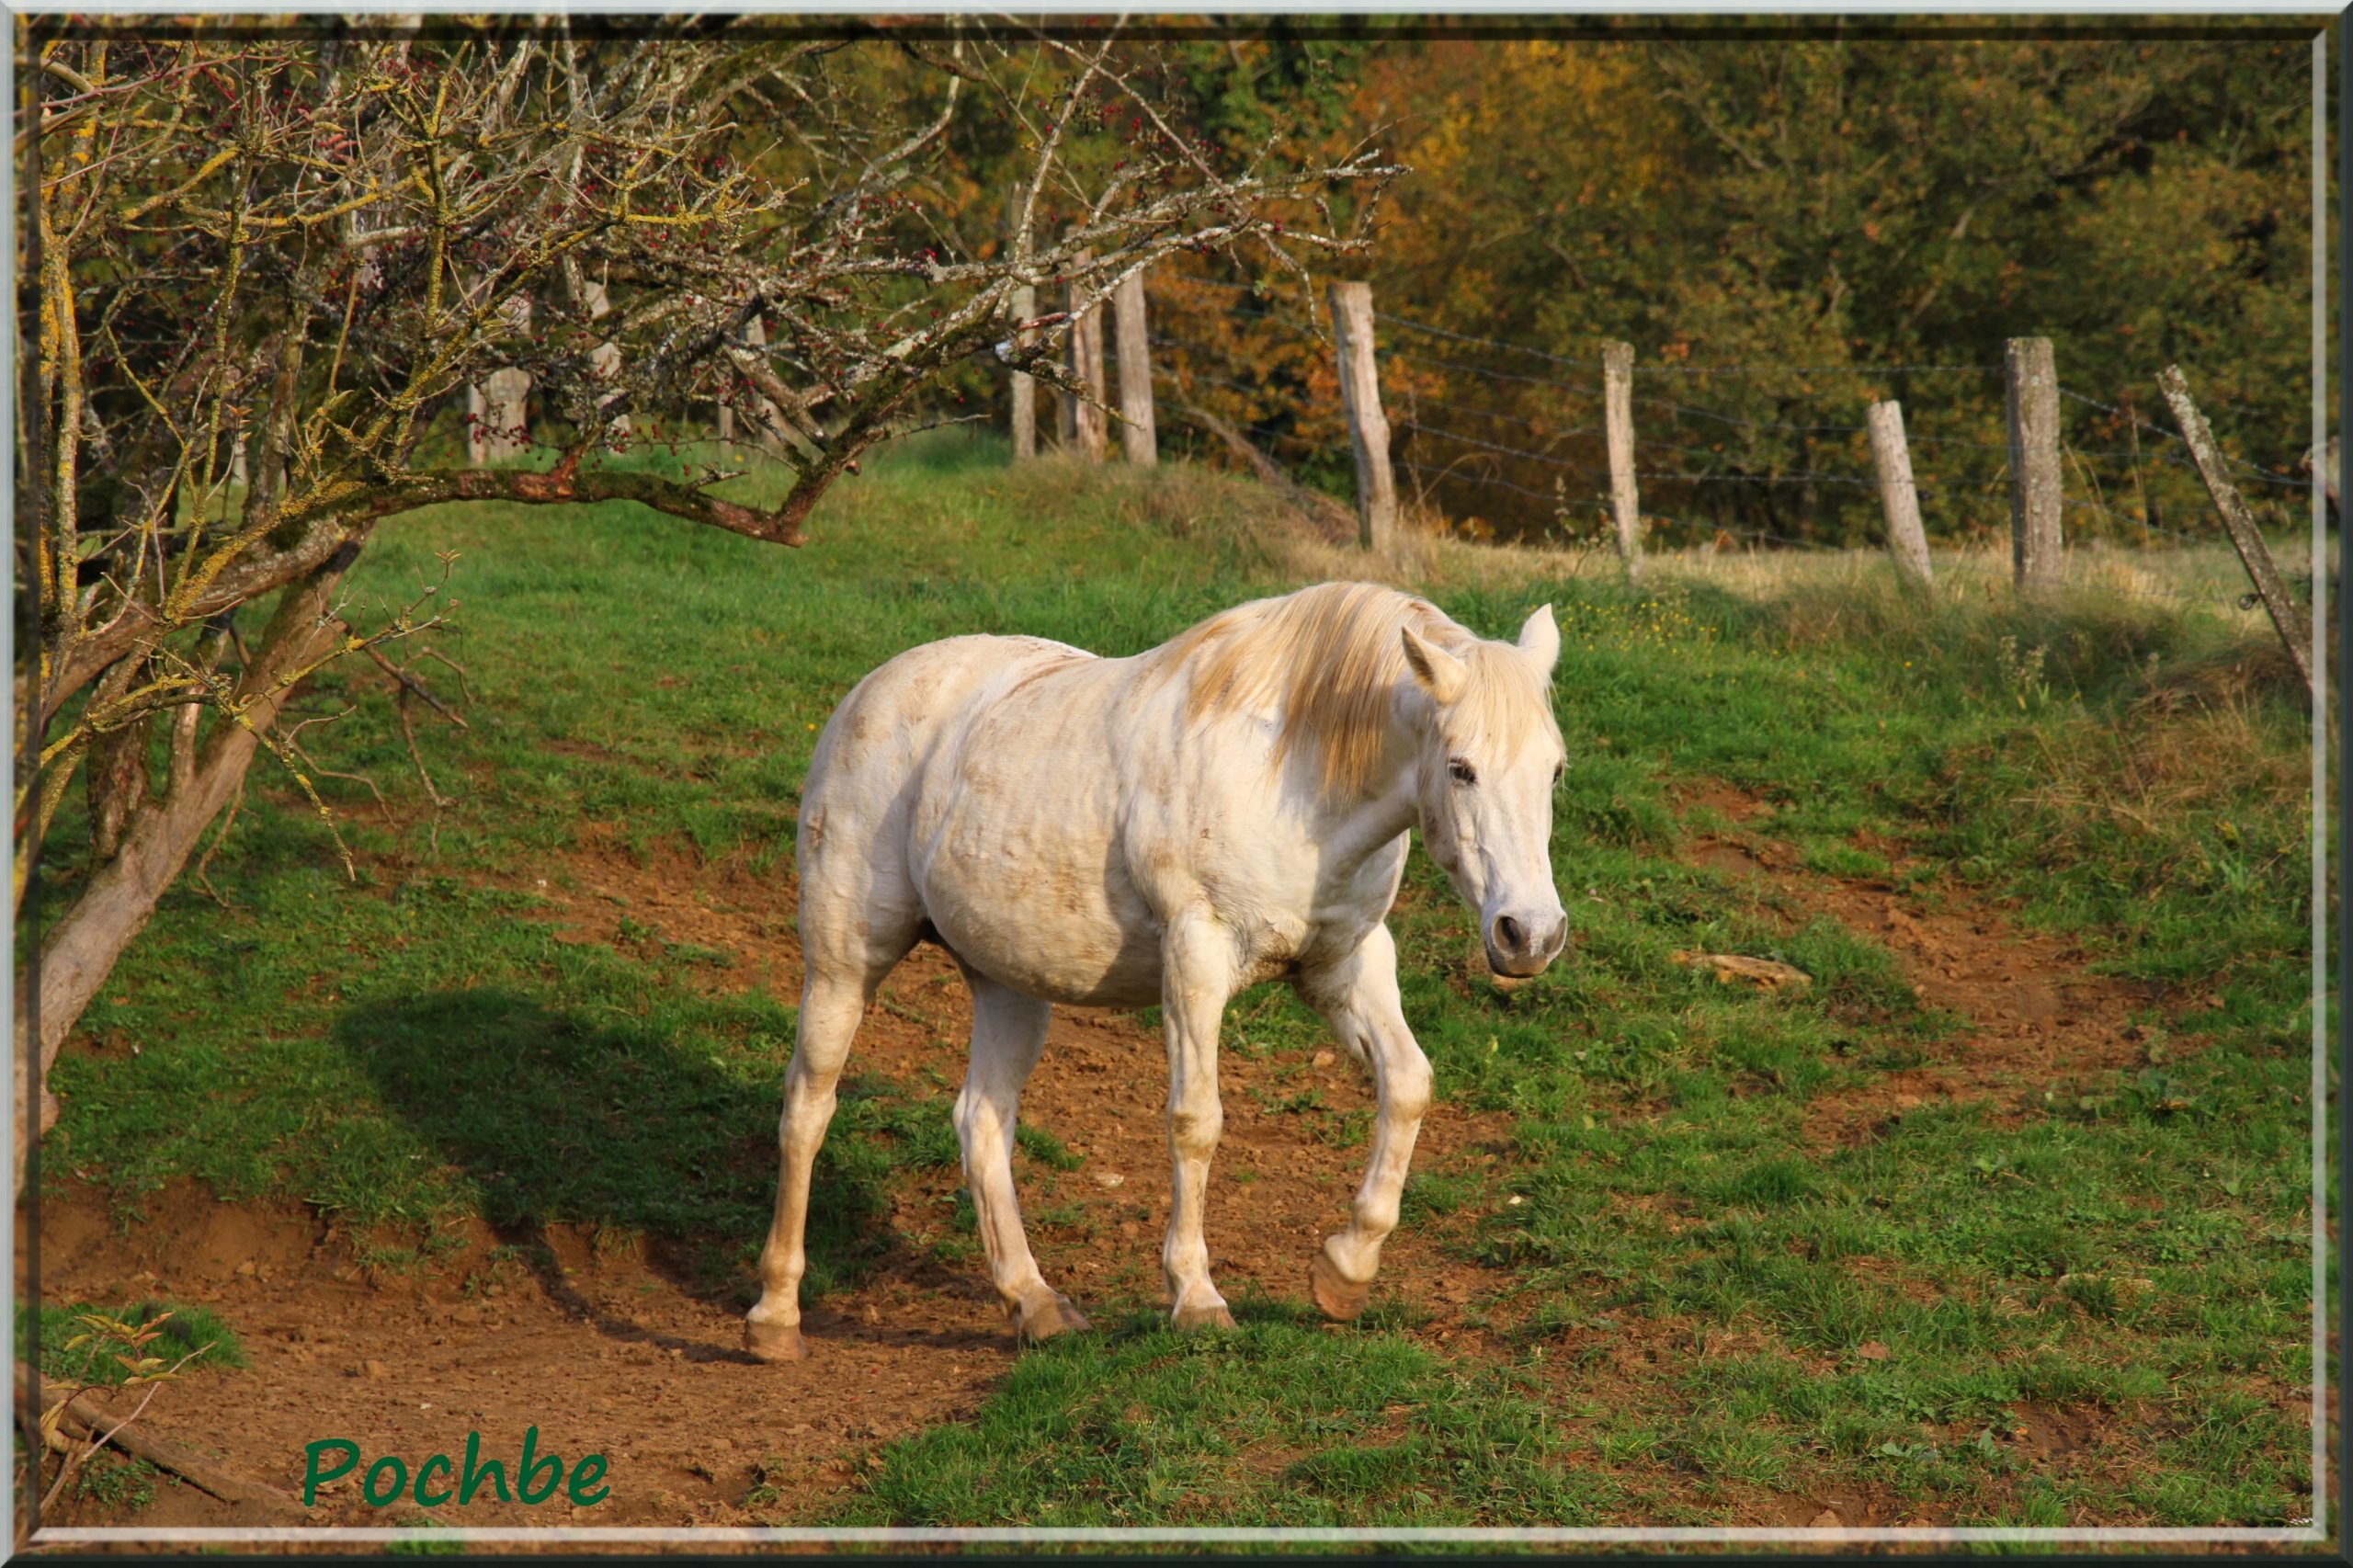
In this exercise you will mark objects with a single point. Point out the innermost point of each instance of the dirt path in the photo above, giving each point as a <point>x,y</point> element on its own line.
<point>2034,1018</point>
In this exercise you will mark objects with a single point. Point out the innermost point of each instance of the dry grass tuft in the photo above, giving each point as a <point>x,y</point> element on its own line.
<point>2159,765</point>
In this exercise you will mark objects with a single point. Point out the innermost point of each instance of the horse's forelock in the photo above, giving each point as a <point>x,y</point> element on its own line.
<point>1507,703</point>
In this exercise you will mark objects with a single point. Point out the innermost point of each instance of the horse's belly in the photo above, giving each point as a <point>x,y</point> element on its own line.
<point>1040,930</point>
<point>1023,882</point>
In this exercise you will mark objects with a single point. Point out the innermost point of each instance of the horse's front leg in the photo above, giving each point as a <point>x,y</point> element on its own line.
<point>1358,995</point>
<point>1197,977</point>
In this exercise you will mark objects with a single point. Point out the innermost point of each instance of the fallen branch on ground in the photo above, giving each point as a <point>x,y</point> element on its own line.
<point>84,1418</point>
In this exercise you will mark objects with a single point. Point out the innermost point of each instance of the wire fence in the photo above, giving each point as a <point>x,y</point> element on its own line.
<point>1506,439</point>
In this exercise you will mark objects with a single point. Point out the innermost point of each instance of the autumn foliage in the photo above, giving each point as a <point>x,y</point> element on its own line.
<point>1788,228</point>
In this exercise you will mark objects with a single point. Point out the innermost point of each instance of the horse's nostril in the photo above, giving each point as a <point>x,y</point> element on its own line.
<point>1507,934</point>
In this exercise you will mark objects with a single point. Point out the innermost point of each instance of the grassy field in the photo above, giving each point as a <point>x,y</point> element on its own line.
<point>1691,1303</point>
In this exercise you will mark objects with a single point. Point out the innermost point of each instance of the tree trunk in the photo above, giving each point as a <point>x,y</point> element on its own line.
<point>114,907</point>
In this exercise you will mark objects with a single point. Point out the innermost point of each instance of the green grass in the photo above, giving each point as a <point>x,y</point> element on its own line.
<point>117,1486</point>
<point>1141,1425</point>
<point>1682,1286</point>
<point>191,1332</point>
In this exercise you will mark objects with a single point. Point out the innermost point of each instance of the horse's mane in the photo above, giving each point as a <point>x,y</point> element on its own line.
<point>1329,659</point>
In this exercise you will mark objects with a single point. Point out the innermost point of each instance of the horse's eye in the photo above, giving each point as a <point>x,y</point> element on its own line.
<point>1462,772</point>
<point>1560,771</point>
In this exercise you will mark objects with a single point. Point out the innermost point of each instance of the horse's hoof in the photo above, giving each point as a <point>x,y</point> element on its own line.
<point>1190,1318</point>
<point>1335,1298</point>
<point>1050,1318</point>
<point>774,1341</point>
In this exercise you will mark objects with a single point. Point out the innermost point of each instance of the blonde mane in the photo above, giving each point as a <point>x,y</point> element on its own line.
<point>1330,657</point>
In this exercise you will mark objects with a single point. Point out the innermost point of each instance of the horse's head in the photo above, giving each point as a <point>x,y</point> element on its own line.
<point>1490,759</point>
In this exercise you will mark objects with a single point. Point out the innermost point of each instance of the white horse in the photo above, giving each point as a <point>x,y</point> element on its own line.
<point>1231,807</point>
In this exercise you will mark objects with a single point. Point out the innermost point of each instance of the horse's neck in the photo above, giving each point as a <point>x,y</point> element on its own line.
<point>1391,803</point>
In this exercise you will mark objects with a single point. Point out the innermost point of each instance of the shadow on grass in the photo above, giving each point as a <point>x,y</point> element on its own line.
<point>554,1121</point>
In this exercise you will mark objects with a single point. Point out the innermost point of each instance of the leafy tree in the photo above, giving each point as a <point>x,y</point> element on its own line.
<point>1803,208</point>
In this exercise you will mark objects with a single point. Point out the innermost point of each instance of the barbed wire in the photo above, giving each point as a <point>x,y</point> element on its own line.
<point>1260,290</point>
<point>2269,475</point>
<point>1536,425</point>
<point>1444,474</point>
<point>1478,371</point>
<point>1929,485</point>
<point>1815,370</point>
<point>1492,446</point>
<point>1816,546</point>
<point>1798,476</point>
<point>1689,412</point>
<point>1203,376</point>
<point>1688,369</point>
<point>1482,342</point>
<point>1912,440</point>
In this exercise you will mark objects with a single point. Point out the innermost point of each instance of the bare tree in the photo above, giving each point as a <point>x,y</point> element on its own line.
<point>283,257</point>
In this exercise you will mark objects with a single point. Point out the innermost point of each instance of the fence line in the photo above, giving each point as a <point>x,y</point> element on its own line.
<point>1694,369</point>
<point>1484,461</point>
<point>1929,486</point>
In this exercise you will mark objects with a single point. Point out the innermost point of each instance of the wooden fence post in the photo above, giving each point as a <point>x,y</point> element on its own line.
<point>506,409</point>
<point>1025,307</point>
<point>1367,427</point>
<point>1897,496</point>
<point>1025,386</point>
<point>1618,414</point>
<point>606,357</point>
<point>504,406</point>
<point>2035,539</point>
<point>1138,438</point>
<point>1082,422</point>
<point>2286,618</point>
<point>756,335</point>
<point>477,430</point>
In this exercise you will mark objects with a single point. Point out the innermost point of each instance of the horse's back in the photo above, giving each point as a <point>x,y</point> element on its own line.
<point>896,720</point>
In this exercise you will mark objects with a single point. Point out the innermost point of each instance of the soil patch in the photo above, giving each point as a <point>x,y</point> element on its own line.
<point>2033,1017</point>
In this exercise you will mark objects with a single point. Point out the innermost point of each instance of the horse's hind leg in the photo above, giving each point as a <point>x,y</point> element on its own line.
<point>848,959</point>
<point>1008,1035</point>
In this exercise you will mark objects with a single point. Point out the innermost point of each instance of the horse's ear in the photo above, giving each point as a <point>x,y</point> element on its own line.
<point>1539,639</point>
<point>1442,674</point>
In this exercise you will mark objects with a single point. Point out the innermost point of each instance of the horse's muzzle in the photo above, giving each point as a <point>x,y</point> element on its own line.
<point>1517,950</point>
